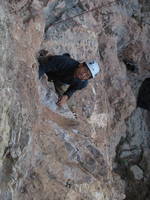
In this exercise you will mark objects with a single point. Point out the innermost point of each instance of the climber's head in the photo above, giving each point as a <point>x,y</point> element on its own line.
<point>87,70</point>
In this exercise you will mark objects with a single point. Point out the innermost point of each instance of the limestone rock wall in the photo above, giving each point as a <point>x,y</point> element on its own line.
<point>45,152</point>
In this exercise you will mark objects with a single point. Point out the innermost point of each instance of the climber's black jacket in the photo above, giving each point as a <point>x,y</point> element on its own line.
<point>61,67</point>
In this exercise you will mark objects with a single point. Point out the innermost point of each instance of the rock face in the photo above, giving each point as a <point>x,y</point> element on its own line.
<point>45,152</point>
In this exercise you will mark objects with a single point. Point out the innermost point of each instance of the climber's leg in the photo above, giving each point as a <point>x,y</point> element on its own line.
<point>60,87</point>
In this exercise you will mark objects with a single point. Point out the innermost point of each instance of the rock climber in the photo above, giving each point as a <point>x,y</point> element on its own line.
<point>67,74</point>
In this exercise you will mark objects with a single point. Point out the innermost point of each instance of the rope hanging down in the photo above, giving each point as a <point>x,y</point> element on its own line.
<point>83,13</point>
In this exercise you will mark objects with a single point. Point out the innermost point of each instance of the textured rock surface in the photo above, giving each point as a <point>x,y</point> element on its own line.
<point>45,153</point>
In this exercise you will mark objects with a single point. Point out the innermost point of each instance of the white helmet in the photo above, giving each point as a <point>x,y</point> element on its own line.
<point>93,66</point>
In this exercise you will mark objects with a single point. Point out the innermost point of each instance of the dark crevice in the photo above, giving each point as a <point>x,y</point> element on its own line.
<point>143,99</point>
<point>131,65</point>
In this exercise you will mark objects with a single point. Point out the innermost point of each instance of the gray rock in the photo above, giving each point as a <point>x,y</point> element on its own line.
<point>137,172</point>
<point>41,156</point>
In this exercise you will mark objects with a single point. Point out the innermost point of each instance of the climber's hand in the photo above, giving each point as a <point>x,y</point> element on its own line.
<point>62,100</point>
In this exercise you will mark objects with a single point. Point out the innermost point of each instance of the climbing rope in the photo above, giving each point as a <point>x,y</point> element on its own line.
<point>83,13</point>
